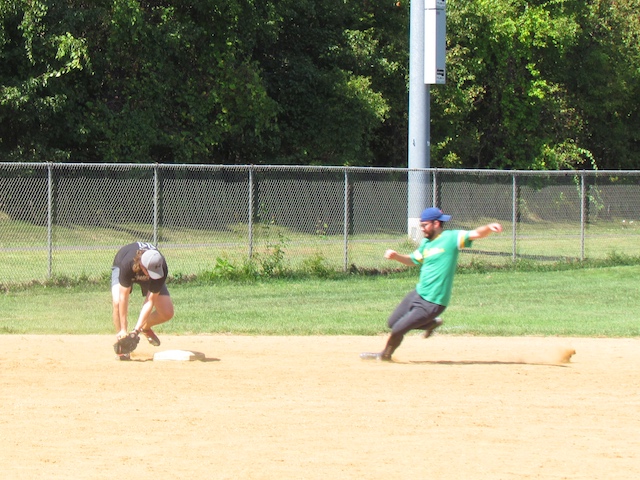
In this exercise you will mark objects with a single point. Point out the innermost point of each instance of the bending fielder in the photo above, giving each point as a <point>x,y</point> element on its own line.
<point>143,264</point>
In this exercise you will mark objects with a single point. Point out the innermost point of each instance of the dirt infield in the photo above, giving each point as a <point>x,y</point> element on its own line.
<point>309,408</point>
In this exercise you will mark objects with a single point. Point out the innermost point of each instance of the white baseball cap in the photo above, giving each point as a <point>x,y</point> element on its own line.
<point>152,260</point>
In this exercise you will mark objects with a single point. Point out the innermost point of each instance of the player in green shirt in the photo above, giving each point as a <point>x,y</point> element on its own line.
<point>437,256</point>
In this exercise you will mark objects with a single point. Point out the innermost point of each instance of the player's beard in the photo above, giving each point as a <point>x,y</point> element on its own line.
<point>432,233</point>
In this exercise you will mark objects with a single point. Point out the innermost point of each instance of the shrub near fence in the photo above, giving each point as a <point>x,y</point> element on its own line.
<point>70,219</point>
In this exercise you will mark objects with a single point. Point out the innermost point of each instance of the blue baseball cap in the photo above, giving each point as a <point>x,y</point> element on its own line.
<point>433,213</point>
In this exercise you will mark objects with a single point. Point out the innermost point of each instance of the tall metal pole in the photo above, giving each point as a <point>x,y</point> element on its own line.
<point>427,45</point>
<point>419,119</point>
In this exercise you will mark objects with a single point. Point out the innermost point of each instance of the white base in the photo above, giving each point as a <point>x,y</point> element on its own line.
<point>178,355</point>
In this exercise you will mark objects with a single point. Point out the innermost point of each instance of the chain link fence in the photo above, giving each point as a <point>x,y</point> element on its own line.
<point>60,220</point>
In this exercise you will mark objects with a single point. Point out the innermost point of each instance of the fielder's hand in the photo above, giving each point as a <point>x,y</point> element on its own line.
<point>126,344</point>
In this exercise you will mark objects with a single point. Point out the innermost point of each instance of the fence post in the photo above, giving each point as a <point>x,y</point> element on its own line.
<point>346,221</point>
<point>50,217</point>
<point>155,204</point>
<point>514,216</point>
<point>583,198</point>
<point>435,197</point>
<point>250,220</point>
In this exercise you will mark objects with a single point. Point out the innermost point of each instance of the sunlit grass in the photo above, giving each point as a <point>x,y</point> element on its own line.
<point>571,302</point>
<point>88,251</point>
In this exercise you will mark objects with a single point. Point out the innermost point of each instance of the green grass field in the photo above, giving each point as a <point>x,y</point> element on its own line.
<point>569,302</point>
<point>294,282</point>
<point>88,251</point>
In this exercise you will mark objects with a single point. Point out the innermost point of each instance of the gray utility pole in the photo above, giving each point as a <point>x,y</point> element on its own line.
<point>427,42</point>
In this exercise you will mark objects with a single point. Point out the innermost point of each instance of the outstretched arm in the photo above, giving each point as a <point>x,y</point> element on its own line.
<point>485,231</point>
<point>404,259</point>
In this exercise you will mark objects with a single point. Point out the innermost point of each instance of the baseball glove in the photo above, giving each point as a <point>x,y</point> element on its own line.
<point>126,344</point>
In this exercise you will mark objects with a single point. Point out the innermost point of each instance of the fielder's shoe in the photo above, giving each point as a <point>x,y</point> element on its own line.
<point>152,337</point>
<point>124,357</point>
<point>381,357</point>
<point>436,323</point>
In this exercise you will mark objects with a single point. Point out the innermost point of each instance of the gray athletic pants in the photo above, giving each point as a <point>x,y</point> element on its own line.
<point>413,313</point>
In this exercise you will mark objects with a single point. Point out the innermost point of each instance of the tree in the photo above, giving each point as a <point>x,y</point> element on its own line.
<point>126,81</point>
<point>603,76</point>
<point>37,61</point>
<point>201,81</point>
<point>531,84</point>
<point>329,109</point>
<point>174,82</point>
<point>501,108</point>
<point>538,85</point>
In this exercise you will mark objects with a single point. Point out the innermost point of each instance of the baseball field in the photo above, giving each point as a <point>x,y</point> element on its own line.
<point>307,407</point>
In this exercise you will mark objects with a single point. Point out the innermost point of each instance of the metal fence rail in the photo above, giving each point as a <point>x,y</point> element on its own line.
<point>70,219</point>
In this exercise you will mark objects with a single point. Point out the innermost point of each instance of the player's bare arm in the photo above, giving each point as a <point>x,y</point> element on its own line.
<point>123,309</point>
<point>393,255</point>
<point>485,231</point>
<point>145,311</point>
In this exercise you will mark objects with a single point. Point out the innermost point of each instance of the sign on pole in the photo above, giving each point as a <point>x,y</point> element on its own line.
<point>435,29</point>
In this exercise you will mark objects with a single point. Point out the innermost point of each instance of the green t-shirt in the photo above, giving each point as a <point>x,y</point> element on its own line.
<point>438,260</point>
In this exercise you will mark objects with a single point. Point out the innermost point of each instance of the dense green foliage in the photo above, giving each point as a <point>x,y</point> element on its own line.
<point>540,85</point>
<point>531,84</point>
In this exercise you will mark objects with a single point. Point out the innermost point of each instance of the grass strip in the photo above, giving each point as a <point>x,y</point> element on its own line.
<point>571,302</point>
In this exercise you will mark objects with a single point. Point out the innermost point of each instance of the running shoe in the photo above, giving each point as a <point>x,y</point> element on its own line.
<point>436,323</point>
<point>152,337</point>
<point>381,357</point>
